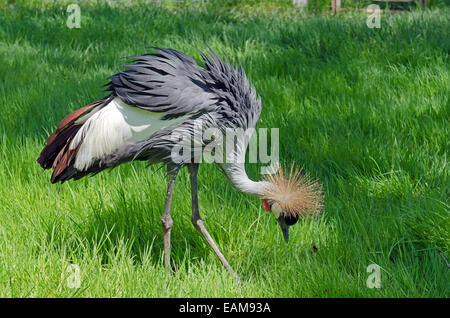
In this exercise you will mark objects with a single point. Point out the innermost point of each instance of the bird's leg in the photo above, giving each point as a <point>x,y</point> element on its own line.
<point>197,221</point>
<point>166,219</point>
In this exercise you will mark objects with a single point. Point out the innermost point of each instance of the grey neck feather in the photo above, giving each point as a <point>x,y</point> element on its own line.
<point>238,177</point>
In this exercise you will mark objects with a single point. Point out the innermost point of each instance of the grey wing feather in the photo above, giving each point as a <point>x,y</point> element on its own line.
<point>170,82</point>
<point>166,81</point>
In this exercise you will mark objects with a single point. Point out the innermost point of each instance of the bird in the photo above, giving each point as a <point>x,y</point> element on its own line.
<point>162,94</point>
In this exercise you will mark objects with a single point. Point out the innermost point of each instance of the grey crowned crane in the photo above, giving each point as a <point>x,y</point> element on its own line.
<point>160,94</point>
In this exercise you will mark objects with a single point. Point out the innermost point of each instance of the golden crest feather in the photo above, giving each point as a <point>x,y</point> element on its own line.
<point>296,193</point>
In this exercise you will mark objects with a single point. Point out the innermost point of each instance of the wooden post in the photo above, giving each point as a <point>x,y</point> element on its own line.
<point>423,3</point>
<point>300,3</point>
<point>335,6</point>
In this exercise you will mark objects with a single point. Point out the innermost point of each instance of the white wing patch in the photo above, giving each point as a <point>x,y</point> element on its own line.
<point>107,129</point>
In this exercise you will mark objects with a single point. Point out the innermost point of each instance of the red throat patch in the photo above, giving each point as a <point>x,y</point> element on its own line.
<point>266,205</point>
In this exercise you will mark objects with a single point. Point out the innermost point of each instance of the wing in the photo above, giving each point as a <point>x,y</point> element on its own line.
<point>166,81</point>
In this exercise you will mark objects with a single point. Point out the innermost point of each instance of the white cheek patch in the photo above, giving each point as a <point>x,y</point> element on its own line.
<point>276,210</point>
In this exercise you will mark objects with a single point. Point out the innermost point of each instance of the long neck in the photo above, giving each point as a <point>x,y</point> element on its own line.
<point>238,177</point>
<point>234,168</point>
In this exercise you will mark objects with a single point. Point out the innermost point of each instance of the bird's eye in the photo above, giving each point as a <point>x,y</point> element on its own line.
<point>274,208</point>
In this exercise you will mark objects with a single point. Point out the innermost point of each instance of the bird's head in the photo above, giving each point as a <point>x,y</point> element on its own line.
<point>290,196</point>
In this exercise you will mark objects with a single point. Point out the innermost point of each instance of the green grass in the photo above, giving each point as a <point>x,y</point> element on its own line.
<point>366,111</point>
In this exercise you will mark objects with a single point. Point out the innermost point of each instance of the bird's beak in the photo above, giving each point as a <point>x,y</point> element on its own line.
<point>284,228</point>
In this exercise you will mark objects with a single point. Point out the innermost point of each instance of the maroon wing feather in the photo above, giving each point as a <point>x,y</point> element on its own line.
<point>57,154</point>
